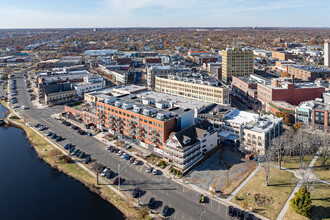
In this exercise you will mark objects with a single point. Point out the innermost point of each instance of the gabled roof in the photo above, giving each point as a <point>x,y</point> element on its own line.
<point>184,135</point>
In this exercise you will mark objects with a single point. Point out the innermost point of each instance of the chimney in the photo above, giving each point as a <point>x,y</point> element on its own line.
<point>292,78</point>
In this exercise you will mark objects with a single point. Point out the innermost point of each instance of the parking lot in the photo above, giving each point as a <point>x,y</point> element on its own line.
<point>225,168</point>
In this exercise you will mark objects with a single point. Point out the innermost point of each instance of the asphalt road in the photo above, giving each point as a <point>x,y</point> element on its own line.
<point>183,202</point>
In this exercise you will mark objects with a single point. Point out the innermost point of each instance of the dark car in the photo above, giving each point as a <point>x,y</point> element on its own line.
<point>67,146</point>
<point>132,160</point>
<point>58,138</point>
<point>108,174</point>
<point>152,203</point>
<point>72,149</point>
<point>74,152</point>
<point>165,211</point>
<point>230,211</point>
<point>117,180</point>
<point>87,160</point>
<point>77,153</point>
<point>63,122</point>
<point>37,125</point>
<point>53,136</point>
<point>82,154</point>
<point>49,133</point>
<point>135,192</point>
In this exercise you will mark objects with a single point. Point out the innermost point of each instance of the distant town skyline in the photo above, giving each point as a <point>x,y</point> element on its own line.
<point>163,13</point>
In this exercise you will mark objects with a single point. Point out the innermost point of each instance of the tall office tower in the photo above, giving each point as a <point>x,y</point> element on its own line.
<point>327,53</point>
<point>236,62</point>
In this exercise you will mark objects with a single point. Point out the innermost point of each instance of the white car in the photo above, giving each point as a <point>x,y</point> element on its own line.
<point>119,153</point>
<point>24,107</point>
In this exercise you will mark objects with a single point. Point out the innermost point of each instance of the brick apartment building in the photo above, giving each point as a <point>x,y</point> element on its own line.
<point>289,92</point>
<point>309,73</point>
<point>142,119</point>
<point>284,56</point>
<point>321,117</point>
<point>245,87</point>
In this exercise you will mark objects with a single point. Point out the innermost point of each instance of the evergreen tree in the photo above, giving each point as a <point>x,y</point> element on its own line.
<point>301,202</point>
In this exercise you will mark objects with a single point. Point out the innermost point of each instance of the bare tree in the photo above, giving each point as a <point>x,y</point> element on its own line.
<point>268,157</point>
<point>324,148</point>
<point>55,154</point>
<point>278,146</point>
<point>303,142</point>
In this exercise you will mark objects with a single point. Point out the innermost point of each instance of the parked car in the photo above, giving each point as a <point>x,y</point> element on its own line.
<point>165,211</point>
<point>127,157</point>
<point>77,153</point>
<point>53,136</point>
<point>72,150</point>
<point>119,153</point>
<point>154,172</point>
<point>58,138</point>
<point>67,146</point>
<point>87,160</point>
<point>105,171</point>
<point>117,180</point>
<point>132,160</point>
<point>49,133</point>
<point>149,169</point>
<point>152,203</point>
<point>82,154</point>
<point>136,162</point>
<point>135,192</point>
<point>108,175</point>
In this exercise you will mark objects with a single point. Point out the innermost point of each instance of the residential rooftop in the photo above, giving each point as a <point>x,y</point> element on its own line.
<point>311,68</point>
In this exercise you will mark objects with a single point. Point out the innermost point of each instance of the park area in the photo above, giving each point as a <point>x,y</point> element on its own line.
<point>270,200</point>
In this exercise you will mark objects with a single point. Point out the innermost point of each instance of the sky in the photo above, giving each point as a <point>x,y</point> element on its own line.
<point>163,13</point>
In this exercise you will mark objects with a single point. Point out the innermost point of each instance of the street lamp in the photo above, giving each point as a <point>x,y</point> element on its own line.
<point>200,217</point>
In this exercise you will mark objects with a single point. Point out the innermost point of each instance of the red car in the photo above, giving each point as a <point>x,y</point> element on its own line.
<point>116,181</point>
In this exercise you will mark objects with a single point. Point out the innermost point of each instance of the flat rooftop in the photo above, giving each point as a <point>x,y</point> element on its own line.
<point>176,100</point>
<point>311,68</point>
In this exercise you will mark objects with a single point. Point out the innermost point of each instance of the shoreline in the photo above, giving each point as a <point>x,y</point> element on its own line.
<point>73,170</point>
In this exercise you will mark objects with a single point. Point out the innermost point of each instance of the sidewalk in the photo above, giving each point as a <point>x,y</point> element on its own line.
<point>243,184</point>
<point>287,204</point>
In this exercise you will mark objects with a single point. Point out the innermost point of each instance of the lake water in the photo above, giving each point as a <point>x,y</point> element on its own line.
<point>31,189</point>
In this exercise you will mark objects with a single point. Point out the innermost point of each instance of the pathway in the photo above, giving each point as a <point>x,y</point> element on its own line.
<point>243,184</point>
<point>287,204</point>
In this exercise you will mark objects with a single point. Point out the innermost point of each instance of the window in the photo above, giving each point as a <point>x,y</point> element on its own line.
<point>160,125</point>
<point>155,124</point>
<point>150,122</point>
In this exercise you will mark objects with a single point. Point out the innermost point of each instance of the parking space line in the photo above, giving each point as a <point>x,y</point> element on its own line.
<point>49,123</point>
<point>141,167</point>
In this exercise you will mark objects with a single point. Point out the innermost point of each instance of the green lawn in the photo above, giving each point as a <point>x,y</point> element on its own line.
<point>320,196</point>
<point>320,172</point>
<point>294,162</point>
<point>281,185</point>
